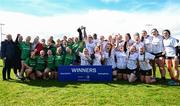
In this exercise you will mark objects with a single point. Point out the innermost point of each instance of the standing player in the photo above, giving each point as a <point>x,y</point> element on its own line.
<point>25,48</point>
<point>158,51</point>
<point>171,46</point>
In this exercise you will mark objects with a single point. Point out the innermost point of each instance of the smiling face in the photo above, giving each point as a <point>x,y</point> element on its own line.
<point>59,50</point>
<point>70,40</point>
<point>136,37</point>
<point>85,51</point>
<point>42,53</point>
<point>141,50</point>
<point>49,43</point>
<point>143,33</point>
<point>132,49</point>
<point>127,38</point>
<point>102,38</point>
<point>96,49</point>
<point>154,32</point>
<point>64,43</point>
<point>166,34</point>
<point>108,46</point>
<point>121,48</point>
<point>90,38</point>
<point>9,37</point>
<point>76,39</point>
<point>58,41</point>
<point>49,52</point>
<point>28,39</point>
<point>20,39</point>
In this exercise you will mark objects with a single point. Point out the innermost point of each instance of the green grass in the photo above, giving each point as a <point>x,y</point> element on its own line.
<point>54,93</point>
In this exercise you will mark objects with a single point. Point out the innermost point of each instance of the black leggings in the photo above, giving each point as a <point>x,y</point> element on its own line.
<point>8,64</point>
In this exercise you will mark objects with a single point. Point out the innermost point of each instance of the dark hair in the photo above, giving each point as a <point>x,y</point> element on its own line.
<point>168,31</point>
<point>154,30</point>
<point>144,31</point>
<point>128,34</point>
<point>142,37</point>
<point>110,49</point>
<point>94,36</point>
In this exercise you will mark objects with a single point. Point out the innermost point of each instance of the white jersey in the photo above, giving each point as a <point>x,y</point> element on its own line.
<point>97,59</point>
<point>138,45</point>
<point>121,60</point>
<point>129,43</point>
<point>144,61</point>
<point>90,47</point>
<point>169,45</point>
<point>109,60</point>
<point>96,41</point>
<point>103,45</point>
<point>122,43</point>
<point>157,44</point>
<point>147,43</point>
<point>132,61</point>
<point>84,60</point>
<point>119,43</point>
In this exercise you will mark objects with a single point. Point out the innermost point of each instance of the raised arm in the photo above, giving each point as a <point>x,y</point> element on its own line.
<point>16,41</point>
<point>85,34</point>
<point>80,34</point>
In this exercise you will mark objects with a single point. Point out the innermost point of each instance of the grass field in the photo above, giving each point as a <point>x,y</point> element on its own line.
<point>54,93</point>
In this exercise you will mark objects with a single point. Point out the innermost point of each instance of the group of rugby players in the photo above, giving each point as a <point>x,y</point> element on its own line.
<point>131,58</point>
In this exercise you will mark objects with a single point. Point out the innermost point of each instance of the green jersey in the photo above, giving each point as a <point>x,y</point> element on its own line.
<point>59,60</point>
<point>50,62</point>
<point>75,47</point>
<point>70,45</point>
<point>68,59</point>
<point>53,49</point>
<point>25,50</point>
<point>79,46</point>
<point>31,62</point>
<point>41,64</point>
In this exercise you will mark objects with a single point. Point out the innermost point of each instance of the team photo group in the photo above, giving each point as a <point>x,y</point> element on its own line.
<point>133,57</point>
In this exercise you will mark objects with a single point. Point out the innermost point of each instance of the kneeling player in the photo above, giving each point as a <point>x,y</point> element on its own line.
<point>145,67</point>
<point>30,65</point>
<point>41,65</point>
<point>121,62</point>
<point>132,64</point>
<point>50,65</point>
<point>59,60</point>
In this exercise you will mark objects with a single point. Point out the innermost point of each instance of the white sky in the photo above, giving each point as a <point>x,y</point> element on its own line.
<point>102,22</point>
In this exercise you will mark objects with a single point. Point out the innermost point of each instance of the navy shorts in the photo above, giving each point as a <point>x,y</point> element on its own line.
<point>169,57</point>
<point>146,72</point>
<point>129,71</point>
<point>121,71</point>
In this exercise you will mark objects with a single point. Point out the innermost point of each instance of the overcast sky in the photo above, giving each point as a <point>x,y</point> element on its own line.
<point>104,17</point>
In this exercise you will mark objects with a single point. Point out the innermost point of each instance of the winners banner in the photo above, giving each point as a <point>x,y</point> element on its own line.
<point>85,73</point>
